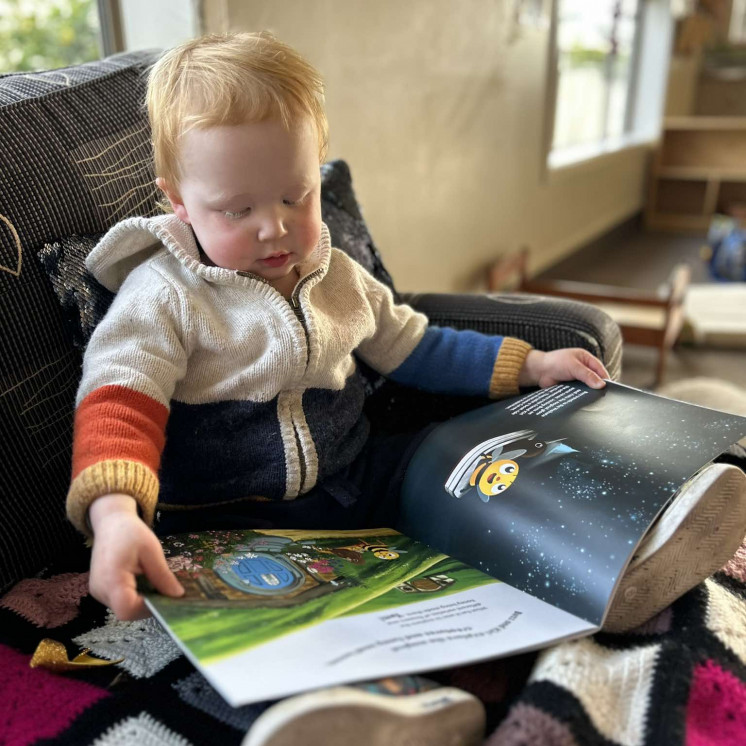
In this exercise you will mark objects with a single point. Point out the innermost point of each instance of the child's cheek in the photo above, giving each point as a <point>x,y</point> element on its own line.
<point>310,228</point>
<point>232,230</point>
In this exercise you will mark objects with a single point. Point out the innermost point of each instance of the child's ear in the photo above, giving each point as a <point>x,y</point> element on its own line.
<point>174,198</point>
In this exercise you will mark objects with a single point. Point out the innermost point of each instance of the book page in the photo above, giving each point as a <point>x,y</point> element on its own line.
<point>271,613</point>
<point>552,491</point>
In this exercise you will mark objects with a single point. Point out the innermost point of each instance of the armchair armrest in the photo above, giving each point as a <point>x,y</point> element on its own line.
<point>545,323</point>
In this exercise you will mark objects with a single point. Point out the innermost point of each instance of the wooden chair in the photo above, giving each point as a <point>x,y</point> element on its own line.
<point>644,318</point>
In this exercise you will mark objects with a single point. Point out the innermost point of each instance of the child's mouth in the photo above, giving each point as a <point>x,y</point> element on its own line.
<point>276,261</point>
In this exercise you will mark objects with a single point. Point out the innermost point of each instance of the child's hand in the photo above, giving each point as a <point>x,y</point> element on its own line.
<point>547,368</point>
<point>124,547</point>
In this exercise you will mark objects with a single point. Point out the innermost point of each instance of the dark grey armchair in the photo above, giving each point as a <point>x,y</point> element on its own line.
<point>75,159</point>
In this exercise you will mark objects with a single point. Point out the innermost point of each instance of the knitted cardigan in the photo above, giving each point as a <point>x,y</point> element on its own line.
<point>204,385</point>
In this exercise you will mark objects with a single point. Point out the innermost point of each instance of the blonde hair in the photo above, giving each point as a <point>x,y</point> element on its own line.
<point>229,79</point>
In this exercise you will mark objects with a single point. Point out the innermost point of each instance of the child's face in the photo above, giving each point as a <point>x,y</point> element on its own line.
<point>251,193</point>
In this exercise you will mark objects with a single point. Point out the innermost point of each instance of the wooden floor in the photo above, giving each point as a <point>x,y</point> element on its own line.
<point>629,256</point>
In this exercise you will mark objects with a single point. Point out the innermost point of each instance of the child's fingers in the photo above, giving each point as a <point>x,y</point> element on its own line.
<point>595,382</point>
<point>128,604</point>
<point>597,366</point>
<point>584,373</point>
<point>588,369</point>
<point>108,589</point>
<point>158,572</point>
<point>121,596</point>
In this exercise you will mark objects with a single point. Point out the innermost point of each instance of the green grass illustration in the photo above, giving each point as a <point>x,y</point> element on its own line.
<point>212,634</point>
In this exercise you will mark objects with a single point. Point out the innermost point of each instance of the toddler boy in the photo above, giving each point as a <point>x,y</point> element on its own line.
<point>223,385</point>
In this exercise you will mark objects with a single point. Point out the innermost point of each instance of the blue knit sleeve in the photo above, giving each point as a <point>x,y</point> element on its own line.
<point>451,361</point>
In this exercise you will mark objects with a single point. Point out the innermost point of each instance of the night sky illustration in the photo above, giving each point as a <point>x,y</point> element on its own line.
<point>567,526</point>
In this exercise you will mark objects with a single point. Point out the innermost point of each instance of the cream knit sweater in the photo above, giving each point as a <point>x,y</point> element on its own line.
<point>204,385</point>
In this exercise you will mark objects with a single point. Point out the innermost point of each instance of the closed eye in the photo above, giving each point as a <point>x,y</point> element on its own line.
<point>235,215</point>
<point>294,202</point>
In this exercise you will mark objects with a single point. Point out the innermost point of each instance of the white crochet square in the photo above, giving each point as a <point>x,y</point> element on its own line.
<point>726,617</point>
<point>142,730</point>
<point>144,645</point>
<point>612,685</point>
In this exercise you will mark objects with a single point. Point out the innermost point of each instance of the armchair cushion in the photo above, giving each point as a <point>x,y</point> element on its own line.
<point>343,217</point>
<point>83,299</point>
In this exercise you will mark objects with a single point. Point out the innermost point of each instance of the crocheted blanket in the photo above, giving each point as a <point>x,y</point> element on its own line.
<point>679,679</point>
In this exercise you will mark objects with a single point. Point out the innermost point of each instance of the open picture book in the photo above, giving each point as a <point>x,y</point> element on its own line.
<point>517,522</point>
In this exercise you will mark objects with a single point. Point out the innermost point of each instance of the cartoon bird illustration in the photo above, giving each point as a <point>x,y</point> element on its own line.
<point>530,447</point>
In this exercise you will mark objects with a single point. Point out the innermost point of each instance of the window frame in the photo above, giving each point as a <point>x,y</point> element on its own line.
<point>110,25</point>
<point>644,111</point>
<point>737,23</point>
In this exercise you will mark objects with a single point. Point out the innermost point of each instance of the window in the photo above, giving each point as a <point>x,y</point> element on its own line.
<point>43,34</point>
<point>737,30</point>
<point>597,46</point>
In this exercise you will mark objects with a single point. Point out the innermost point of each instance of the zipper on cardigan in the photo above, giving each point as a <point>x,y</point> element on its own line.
<point>295,304</point>
<point>298,311</point>
<point>295,301</point>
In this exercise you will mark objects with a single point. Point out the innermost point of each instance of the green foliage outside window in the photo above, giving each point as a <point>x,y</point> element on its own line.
<point>577,56</point>
<point>45,34</point>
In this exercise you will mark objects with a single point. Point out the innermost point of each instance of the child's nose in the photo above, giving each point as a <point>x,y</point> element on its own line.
<point>271,226</point>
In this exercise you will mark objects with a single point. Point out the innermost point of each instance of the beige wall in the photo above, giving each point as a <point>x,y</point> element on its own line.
<point>439,108</point>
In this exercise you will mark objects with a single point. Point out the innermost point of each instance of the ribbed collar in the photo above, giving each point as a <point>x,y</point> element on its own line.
<point>130,243</point>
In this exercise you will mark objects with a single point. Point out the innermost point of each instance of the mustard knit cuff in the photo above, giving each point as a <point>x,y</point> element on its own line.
<point>508,364</point>
<point>106,477</point>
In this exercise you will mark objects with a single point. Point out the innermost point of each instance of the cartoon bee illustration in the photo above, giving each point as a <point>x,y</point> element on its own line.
<point>355,552</point>
<point>493,477</point>
<point>384,553</point>
<point>377,549</point>
<point>491,468</point>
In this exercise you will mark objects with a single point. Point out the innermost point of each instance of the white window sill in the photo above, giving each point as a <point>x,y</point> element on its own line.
<point>568,162</point>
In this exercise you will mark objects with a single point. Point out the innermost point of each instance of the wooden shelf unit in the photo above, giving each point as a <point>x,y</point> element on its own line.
<point>699,168</point>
